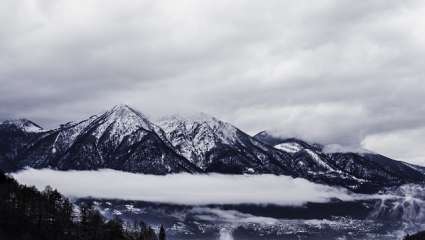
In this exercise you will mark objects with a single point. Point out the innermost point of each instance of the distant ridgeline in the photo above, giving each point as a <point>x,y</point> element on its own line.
<point>27,214</point>
<point>124,139</point>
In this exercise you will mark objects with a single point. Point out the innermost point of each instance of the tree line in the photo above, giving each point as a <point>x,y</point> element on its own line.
<point>416,236</point>
<point>28,214</point>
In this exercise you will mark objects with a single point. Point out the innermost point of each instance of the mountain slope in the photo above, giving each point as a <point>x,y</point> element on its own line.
<point>217,146</point>
<point>365,166</point>
<point>23,124</point>
<point>121,139</point>
<point>15,136</point>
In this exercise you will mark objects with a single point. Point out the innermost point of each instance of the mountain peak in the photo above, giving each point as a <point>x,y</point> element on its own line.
<point>122,120</point>
<point>126,113</point>
<point>120,107</point>
<point>124,109</point>
<point>199,117</point>
<point>24,124</point>
<point>199,122</point>
<point>195,135</point>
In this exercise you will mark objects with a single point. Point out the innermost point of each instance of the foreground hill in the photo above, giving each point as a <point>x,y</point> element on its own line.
<point>29,214</point>
<point>417,236</point>
<point>124,139</point>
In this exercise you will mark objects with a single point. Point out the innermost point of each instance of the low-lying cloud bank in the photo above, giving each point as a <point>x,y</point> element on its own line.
<point>183,188</point>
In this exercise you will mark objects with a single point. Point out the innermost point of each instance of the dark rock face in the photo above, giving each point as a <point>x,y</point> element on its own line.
<point>13,140</point>
<point>124,139</point>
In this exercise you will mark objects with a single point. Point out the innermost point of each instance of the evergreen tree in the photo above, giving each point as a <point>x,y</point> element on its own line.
<point>417,236</point>
<point>161,233</point>
<point>27,214</point>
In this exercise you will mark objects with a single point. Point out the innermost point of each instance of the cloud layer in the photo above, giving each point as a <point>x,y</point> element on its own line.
<point>183,188</point>
<point>331,71</point>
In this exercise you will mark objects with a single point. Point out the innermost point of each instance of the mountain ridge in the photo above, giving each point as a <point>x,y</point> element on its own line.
<point>121,139</point>
<point>360,164</point>
<point>212,143</point>
<point>124,139</point>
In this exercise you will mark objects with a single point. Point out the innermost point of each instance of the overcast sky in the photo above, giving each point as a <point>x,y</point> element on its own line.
<point>347,72</point>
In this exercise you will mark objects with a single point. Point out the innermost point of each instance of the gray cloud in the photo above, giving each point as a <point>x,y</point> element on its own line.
<point>328,71</point>
<point>403,144</point>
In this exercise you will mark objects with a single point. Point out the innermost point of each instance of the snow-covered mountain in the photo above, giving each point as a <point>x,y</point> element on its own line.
<point>15,136</point>
<point>23,124</point>
<point>125,139</point>
<point>217,146</point>
<point>121,138</point>
<point>358,164</point>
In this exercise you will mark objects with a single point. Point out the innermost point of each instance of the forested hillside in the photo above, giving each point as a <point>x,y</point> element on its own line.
<point>417,236</point>
<point>27,214</point>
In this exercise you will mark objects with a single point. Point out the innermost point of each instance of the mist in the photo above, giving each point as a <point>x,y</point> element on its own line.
<point>183,188</point>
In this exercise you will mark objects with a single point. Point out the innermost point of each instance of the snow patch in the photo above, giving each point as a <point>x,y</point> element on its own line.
<point>289,147</point>
<point>24,124</point>
<point>318,160</point>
